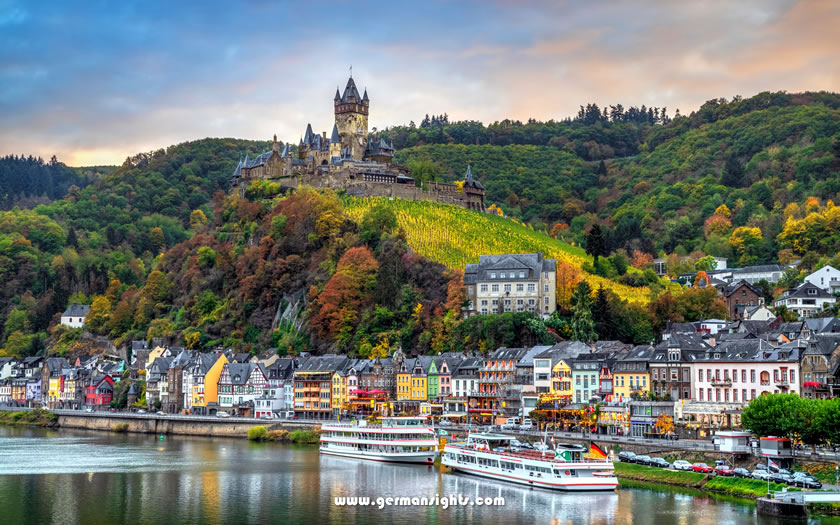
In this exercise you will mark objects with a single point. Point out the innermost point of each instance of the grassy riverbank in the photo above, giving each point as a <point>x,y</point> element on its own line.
<point>742,487</point>
<point>36,418</point>
<point>299,436</point>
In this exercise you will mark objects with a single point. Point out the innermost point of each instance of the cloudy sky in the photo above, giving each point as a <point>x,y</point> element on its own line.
<point>94,82</point>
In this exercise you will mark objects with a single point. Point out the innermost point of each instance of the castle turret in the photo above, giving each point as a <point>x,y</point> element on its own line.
<point>335,143</point>
<point>351,119</point>
<point>275,147</point>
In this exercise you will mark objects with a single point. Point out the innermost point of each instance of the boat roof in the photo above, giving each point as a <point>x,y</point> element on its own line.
<point>489,435</point>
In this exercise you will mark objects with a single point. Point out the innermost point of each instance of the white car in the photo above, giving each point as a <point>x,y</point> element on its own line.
<point>681,464</point>
<point>222,414</point>
<point>763,475</point>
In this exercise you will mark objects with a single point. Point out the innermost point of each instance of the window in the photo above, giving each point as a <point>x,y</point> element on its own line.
<point>484,302</point>
<point>545,288</point>
<point>492,275</point>
<point>507,287</point>
<point>744,395</point>
<point>520,287</point>
<point>752,394</point>
<point>700,375</point>
<point>700,394</point>
<point>752,376</point>
<point>735,395</point>
<point>502,275</point>
<point>532,287</point>
<point>494,288</point>
<point>644,382</point>
<point>521,275</point>
<point>484,311</point>
<point>545,300</point>
<point>792,377</point>
<point>483,287</point>
<point>743,376</point>
<point>532,302</point>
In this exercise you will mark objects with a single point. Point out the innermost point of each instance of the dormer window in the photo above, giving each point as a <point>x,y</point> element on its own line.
<point>717,356</point>
<point>673,355</point>
<point>492,275</point>
<point>812,291</point>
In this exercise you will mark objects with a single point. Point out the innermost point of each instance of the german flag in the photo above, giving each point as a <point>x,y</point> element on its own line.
<point>596,452</point>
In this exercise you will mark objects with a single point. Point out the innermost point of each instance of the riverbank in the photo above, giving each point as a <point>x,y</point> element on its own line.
<point>297,436</point>
<point>36,418</point>
<point>731,486</point>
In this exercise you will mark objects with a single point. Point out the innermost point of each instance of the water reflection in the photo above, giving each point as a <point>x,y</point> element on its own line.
<point>73,477</point>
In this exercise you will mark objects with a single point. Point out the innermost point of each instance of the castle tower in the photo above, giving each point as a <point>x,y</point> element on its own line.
<point>335,142</point>
<point>351,119</point>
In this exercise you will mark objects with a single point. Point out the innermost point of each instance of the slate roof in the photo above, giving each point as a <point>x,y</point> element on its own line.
<point>240,372</point>
<point>820,325</point>
<point>470,182</point>
<point>531,263</point>
<point>736,285</point>
<point>759,268</point>
<point>334,137</point>
<point>351,91</point>
<point>325,363</point>
<point>76,310</point>
<point>802,291</point>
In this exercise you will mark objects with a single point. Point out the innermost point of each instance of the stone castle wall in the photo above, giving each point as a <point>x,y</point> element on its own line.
<point>437,191</point>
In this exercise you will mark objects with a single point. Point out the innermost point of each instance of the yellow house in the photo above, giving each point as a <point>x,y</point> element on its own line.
<point>403,386</point>
<point>632,373</point>
<point>339,391</point>
<point>154,354</point>
<point>54,389</point>
<point>561,379</point>
<point>205,388</point>
<point>418,388</point>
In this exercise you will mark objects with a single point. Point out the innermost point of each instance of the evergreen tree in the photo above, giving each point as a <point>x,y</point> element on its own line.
<point>602,315</point>
<point>733,173</point>
<point>583,327</point>
<point>602,168</point>
<point>595,244</point>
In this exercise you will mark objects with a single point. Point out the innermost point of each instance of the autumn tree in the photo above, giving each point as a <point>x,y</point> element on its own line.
<point>568,277</point>
<point>99,313</point>
<point>197,219</point>
<point>745,241</point>
<point>336,309</point>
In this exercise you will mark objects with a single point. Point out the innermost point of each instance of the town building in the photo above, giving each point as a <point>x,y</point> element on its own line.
<point>313,386</point>
<point>753,274</point>
<point>670,365</point>
<point>738,296</point>
<point>806,300</point>
<point>511,283</point>
<point>631,373</point>
<point>205,372</point>
<point>240,384</point>
<point>74,316</point>
<point>827,278</point>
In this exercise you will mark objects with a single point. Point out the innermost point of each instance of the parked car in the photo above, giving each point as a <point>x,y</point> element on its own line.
<point>682,464</point>
<point>806,480</point>
<point>742,473</point>
<point>89,409</point>
<point>642,460</point>
<point>659,462</point>
<point>141,411</point>
<point>527,424</point>
<point>779,477</point>
<point>626,457</point>
<point>526,445</point>
<point>762,474</point>
<point>760,466</point>
<point>702,467</point>
<point>161,413</point>
<point>724,470</point>
<point>511,424</point>
<point>222,413</point>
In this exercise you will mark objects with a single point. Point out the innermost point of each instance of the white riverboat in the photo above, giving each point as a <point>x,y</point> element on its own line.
<point>397,439</point>
<point>563,468</point>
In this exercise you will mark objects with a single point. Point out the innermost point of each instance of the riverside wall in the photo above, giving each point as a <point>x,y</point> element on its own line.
<point>175,425</point>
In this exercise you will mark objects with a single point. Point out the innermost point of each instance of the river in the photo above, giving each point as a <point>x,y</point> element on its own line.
<point>66,477</point>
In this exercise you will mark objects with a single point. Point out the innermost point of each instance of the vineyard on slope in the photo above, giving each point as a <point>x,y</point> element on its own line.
<point>455,236</point>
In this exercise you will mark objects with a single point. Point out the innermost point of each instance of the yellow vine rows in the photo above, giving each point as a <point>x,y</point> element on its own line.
<point>455,236</point>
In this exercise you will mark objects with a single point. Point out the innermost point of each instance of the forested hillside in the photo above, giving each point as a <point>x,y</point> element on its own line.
<point>656,184</point>
<point>29,181</point>
<point>161,248</point>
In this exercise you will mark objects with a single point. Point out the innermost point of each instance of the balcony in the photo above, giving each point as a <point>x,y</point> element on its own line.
<point>782,383</point>
<point>721,382</point>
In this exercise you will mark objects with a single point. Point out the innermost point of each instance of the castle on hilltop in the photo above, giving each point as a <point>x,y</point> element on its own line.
<point>351,160</point>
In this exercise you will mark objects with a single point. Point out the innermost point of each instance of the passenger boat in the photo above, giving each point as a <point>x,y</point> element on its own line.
<point>562,468</point>
<point>397,439</point>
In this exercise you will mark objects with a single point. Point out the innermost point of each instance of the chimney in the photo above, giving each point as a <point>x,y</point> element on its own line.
<point>323,137</point>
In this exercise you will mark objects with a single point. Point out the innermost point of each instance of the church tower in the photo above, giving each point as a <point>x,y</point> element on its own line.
<point>351,119</point>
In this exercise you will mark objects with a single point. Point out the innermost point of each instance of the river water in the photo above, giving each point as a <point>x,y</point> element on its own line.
<point>66,477</point>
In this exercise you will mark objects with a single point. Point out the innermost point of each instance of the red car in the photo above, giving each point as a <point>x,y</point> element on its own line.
<point>702,467</point>
<point>723,470</point>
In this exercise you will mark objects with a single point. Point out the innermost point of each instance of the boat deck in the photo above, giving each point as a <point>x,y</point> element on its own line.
<point>534,455</point>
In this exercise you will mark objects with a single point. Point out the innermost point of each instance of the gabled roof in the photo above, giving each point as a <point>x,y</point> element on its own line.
<point>76,310</point>
<point>759,268</point>
<point>241,372</point>
<point>735,286</point>
<point>808,290</point>
<point>469,181</point>
<point>531,263</point>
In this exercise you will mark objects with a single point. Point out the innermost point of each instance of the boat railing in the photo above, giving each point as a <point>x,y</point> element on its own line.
<point>532,454</point>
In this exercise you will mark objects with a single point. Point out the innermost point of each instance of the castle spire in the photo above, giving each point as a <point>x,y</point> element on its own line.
<point>275,146</point>
<point>365,97</point>
<point>337,95</point>
<point>307,137</point>
<point>468,177</point>
<point>335,137</point>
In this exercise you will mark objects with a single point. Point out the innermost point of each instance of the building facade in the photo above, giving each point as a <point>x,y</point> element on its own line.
<point>511,283</point>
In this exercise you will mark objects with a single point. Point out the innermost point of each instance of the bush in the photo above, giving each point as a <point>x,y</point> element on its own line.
<point>122,427</point>
<point>258,433</point>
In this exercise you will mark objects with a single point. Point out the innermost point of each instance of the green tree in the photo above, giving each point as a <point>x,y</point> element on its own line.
<point>733,173</point>
<point>583,327</point>
<point>379,220</point>
<point>595,244</point>
<point>423,170</point>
